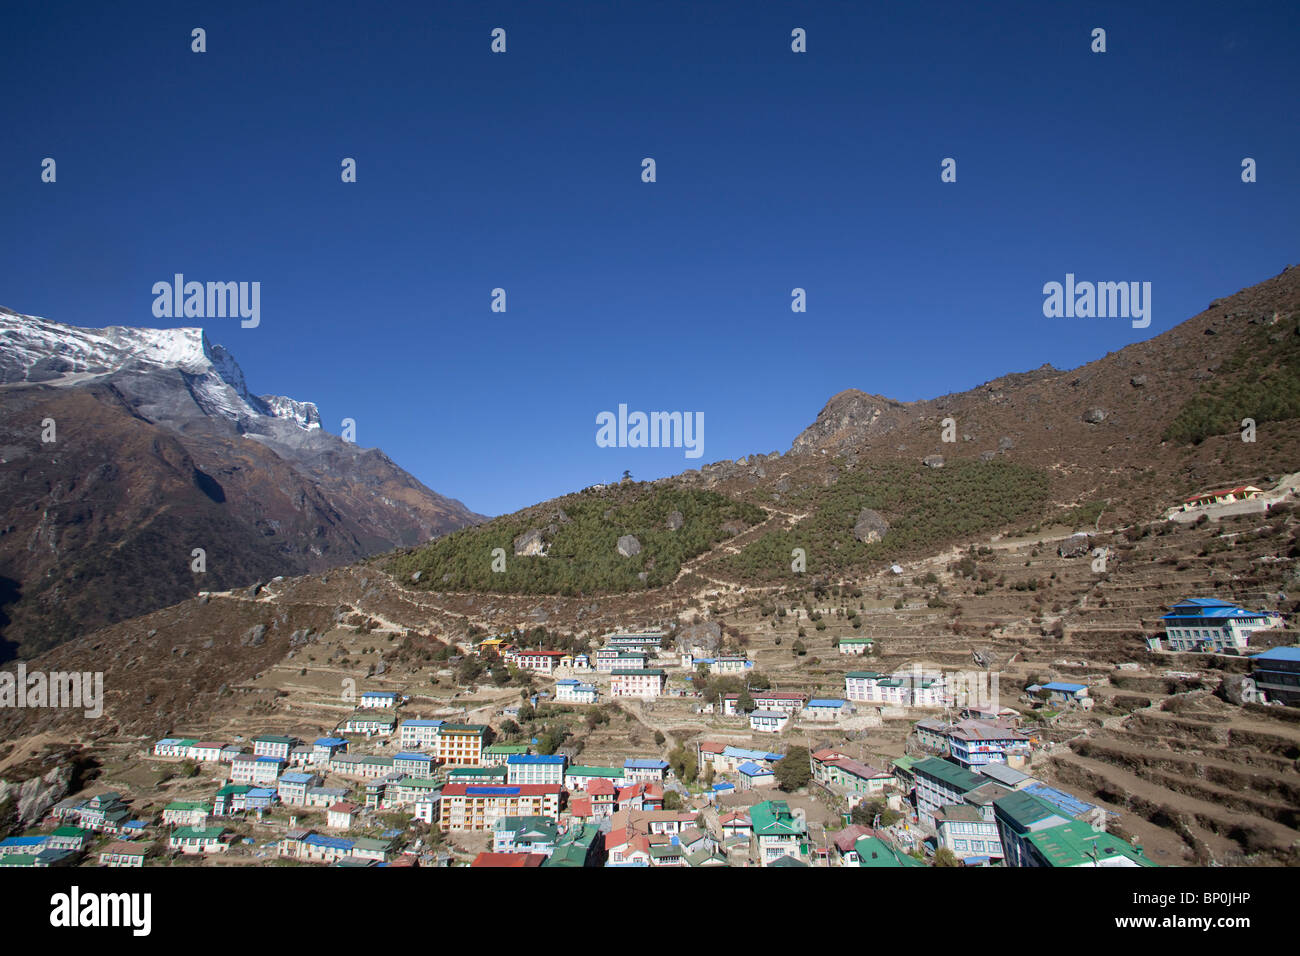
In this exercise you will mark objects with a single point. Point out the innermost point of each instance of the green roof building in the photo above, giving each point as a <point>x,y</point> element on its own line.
<point>1077,844</point>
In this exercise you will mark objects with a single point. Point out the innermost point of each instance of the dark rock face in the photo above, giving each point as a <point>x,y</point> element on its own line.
<point>870,526</point>
<point>1075,546</point>
<point>530,543</point>
<point>702,639</point>
<point>162,448</point>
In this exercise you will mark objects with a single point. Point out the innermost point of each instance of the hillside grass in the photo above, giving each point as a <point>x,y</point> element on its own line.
<point>925,508</point>
<point>582,556</point>
<point>1261,381</point>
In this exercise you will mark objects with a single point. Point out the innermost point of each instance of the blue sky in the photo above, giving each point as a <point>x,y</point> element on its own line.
<point>522,170</point>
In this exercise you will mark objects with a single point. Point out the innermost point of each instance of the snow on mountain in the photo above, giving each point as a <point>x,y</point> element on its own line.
<point>33,349</point>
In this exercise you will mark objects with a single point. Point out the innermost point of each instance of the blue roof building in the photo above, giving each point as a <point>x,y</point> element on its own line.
<point>1210,625</point>
<point>1276,673</point>
<point>535,768</point>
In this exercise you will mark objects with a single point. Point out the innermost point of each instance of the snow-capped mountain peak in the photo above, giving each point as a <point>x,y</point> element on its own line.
<point>33,349</point>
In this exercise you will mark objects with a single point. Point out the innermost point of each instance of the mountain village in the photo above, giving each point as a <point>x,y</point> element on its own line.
<point>772,778</point>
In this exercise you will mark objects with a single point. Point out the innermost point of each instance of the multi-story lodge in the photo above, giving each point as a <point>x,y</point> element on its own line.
<point>904,689</point>
<point>940,783</point>
<point>460,745</point>
<point>271,745</point>
<point>570,691</point>
<point>250,768</point>
<point>1209,625</point>
<point>474,807</point>
<point>643,683</point>
<point>610,659</point>
<point>535,768</point>
<point>542,662</point>
<point>418,733</point>
<point>1277,674</point>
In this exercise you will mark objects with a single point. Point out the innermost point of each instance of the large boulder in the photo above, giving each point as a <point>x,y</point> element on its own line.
<point>675,520</point>
<point>700,640</point>
<point>1095,416</point>
<point>530,543</point>
<point>1075,546</point>
<point>870,526</point>
<point>932,461</point>
<point>629,546</point>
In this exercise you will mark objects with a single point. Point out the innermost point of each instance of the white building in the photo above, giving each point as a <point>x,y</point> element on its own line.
<point>1212,626</point>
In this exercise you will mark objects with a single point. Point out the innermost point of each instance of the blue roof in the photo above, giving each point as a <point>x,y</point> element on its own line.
<point>743,754</point>
<point>567,680</point>
<point>330,742</point>
<point>260,792</point>
<point>379,693</point>
<point>491,791</point>
<point>408,756</point>
<point>535,758</point>
<point>296,778</point>
<point>1278,654</point>
<point>23,841</point>
<point>753,770</point>
<point>337,843</point>
<point>1208,609</point>
<point>645,764</point>
<point>826,702</point>
<point>724,786</point>
<point>1059,799</point>
<point>422,723</point>
<point>1067,688</point>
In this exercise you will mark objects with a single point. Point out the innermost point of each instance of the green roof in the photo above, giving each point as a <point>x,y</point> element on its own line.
<point>476,772</point>
<point>424,783</point>
<point>474,728</point>
<point>611,772</point>
<point>580,836</point>
<point>198,833</point>
<point>857,640</point>
<point>186,805</point>
<point>507,749</point>
<point>956,777</point>
<point>706,858</point>
<point>570,854</point>
<point>1023,810</point>
<point>905,763</point>
<point>638,672</point>
<point>69,832</point>
<point>368,843</point>
<point>788,860</point>
<point>773,818</point>
<point>1078,844</point>
<point>872,851</point>
<point>234,788</point>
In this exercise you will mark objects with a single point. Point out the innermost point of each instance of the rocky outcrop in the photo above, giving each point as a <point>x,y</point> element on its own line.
<point>629,546</point>
<point>1075,546</point>
<point>870,526</point>
<point>531,544</point>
